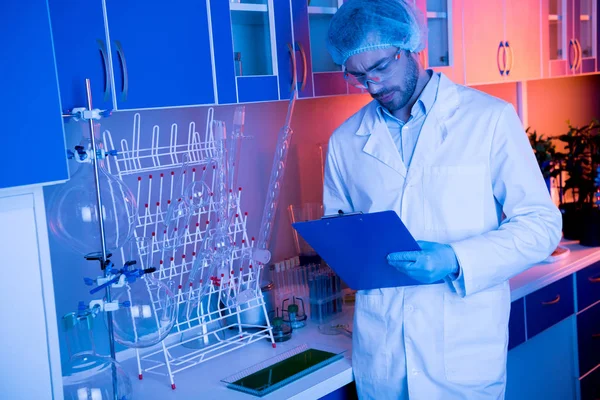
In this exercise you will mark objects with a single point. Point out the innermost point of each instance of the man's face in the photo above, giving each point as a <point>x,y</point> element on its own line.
<point>401,74</point>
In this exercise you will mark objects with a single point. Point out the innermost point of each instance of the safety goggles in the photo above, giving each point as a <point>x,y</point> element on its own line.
<point>376,75</point>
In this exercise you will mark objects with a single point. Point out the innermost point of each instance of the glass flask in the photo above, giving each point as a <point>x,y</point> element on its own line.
<point>88,376</point>
<point>150,316</point>
<point>74,216</point>
<point>152,307</point>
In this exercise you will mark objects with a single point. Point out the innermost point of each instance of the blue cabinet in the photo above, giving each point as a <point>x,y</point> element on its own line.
<point>160,53</point>
<point>549,305</point>
<point>81,52</point>
<point>516,324</point>
<point>303,49</point>
<point>32,128</point>
<point>588,286</point>
<point>588,339</point>
<point>590,386</point>
<point>246,44</point>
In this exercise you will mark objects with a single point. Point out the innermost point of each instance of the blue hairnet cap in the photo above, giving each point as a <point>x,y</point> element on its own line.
<point>362,25</point>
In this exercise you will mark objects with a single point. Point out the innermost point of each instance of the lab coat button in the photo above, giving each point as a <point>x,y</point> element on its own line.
<point>409,308</point>
<point>415,372</point>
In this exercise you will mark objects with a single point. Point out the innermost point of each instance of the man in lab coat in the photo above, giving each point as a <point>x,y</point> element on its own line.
<point>457,167</point>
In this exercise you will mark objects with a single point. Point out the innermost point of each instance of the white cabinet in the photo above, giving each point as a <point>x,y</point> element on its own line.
<point>444,51</point>
<point>29,349</point>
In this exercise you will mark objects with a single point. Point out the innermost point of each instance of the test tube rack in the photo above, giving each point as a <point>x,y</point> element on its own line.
<point>152,172</point>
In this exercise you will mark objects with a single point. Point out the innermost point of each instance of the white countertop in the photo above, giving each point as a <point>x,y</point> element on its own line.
<point>543,274</point>
<point>203,381</point>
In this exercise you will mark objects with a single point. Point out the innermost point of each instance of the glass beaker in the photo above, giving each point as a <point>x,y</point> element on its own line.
<point>87,375</point>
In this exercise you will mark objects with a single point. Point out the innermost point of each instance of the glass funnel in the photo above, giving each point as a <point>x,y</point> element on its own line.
<point>74,212</point>
<point>88,376</point>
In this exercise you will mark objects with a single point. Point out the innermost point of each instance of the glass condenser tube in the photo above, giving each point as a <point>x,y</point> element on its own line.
<point>277,170</point>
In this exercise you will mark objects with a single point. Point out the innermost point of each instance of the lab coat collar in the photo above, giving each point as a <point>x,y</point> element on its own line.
<point>381,145</point>
<point>446,102</point>
<point>434,130</point>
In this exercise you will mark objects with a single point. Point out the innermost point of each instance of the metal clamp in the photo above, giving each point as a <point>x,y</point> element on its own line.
<point>83,114</point>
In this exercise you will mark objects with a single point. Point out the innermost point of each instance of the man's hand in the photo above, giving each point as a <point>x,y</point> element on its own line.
<point>433,263</point>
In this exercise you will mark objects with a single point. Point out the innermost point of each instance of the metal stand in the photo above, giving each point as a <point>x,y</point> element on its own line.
<point>90,114</point>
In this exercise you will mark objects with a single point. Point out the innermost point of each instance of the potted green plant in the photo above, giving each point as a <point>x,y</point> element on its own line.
<point>546,155</point>
<point>580,160</point>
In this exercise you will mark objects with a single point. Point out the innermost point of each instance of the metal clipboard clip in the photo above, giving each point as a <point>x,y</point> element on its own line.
<point>340,213</point>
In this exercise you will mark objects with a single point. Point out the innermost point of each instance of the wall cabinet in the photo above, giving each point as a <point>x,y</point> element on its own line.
<point>186,53</point>
<point>483,28</point>
<point>501,40</point>
<point>137,54</point>
<point>32,128</point>
<point>569,37</point>
<point>444,50</point>
<point>246,49</point>
<point>83,55</point>
<point>160,53</point>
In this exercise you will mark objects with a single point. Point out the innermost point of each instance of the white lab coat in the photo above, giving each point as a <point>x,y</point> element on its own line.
<point>473,183</point>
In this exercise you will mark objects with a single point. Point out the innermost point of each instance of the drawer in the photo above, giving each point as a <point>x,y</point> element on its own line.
<point>588,286</point>
<point>549,305</point>
<point>590,386</point>
<point>516,324</point>
<point>588,339</point>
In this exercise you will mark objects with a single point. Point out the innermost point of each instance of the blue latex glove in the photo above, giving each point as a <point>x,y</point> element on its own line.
<point>433,263</point>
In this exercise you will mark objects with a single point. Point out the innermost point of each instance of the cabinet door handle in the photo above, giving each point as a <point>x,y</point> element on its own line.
<point>578,54</point>
<point>293,57</point>
<point>511,56</point>
<point>596,336</point>
<point>102,48</point>
<point>121,53</point>
<point>549,303</point>
<point>569,54</point>
<point>594,279</point>
<point>502,51</point>
<point>304,65</point>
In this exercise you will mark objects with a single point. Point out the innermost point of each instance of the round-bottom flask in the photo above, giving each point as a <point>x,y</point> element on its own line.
<point>151,314</point>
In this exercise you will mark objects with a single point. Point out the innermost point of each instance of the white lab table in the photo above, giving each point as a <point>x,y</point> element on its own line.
<point>203,381</point>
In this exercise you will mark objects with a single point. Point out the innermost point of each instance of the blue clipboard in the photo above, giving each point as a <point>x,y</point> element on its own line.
<point>356,246</point>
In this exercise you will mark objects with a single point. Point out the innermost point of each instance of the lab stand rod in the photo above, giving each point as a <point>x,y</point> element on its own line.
<point>109,318</point>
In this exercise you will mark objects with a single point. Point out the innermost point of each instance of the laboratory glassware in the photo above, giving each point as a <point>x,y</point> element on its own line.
<point>87,375</point>
<point>205,298</point>
<point>152,307</point>
<point>277,171</point>
<point>74,213</point>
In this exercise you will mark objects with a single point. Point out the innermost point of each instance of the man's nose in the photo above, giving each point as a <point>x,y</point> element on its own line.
<point>373,87</point>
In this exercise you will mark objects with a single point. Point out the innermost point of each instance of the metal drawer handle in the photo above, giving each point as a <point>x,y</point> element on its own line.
<point>549,303</point>
<point>594,279</point>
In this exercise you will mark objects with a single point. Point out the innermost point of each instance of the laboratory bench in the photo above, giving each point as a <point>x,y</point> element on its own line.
<point>555,315</point>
